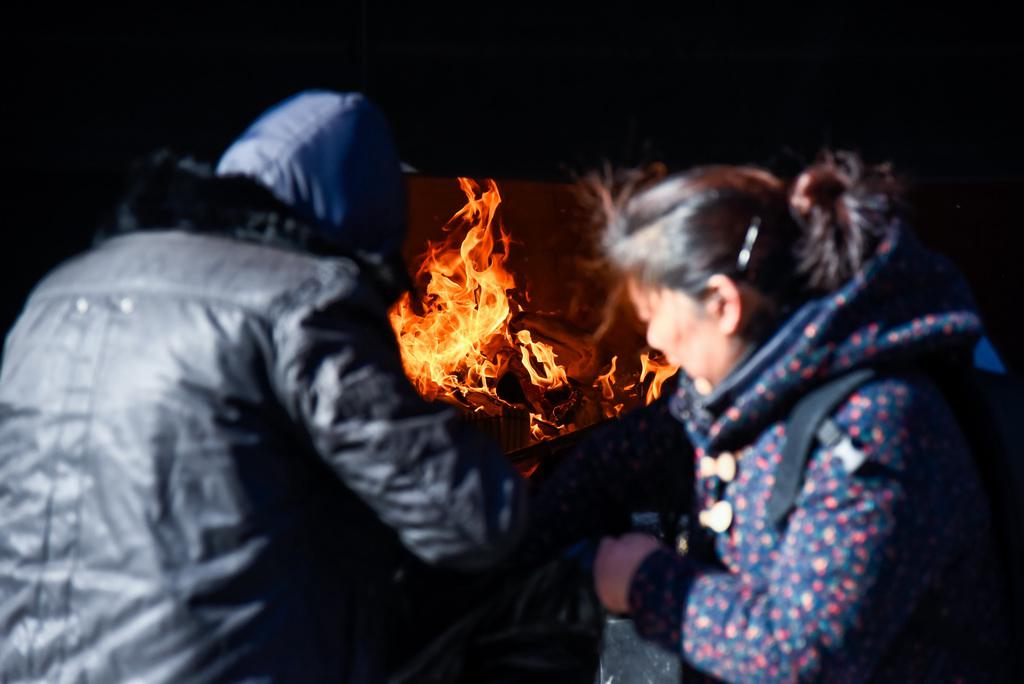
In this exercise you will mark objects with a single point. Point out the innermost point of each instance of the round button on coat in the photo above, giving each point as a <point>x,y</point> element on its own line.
<point>718,517</point>
<point>725,466</point>
<point>707,466</point>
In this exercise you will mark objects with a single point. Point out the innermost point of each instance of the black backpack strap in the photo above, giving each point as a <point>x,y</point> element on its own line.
<point>809,422</point>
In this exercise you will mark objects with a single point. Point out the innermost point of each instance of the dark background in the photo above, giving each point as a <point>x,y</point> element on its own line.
<point>535,91</point>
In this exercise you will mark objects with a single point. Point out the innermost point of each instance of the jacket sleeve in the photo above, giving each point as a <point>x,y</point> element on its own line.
<point>623,467</point>
<point>448,491</point>
<point>857,554</point>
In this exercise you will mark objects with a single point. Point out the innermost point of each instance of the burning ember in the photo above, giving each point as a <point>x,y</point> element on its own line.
<point>467,339</point>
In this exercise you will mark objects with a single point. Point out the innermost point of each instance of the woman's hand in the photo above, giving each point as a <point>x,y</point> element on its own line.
<point>615,564</point>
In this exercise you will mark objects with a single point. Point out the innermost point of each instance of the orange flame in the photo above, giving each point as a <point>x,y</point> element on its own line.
<point>662,372</point>
<point>552,375</point>
<point>448,350</point>
<point>607,381</point>
<point>456,344</point>
<point>456,341</point>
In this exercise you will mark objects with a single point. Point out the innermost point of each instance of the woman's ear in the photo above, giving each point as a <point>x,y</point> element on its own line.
<point>724,304</point>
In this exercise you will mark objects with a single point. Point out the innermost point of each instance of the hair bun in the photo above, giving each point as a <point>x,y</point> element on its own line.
<point>844,208</point>
<point>819,190</point>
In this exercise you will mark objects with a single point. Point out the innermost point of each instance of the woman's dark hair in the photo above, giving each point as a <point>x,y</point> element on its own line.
<point>787,240</point>
<point>844,208</point>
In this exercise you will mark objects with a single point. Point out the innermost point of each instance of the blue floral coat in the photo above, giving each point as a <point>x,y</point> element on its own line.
<point>884,570</point>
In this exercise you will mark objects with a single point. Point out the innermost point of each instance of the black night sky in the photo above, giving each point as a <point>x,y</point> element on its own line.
<point>522,90</point>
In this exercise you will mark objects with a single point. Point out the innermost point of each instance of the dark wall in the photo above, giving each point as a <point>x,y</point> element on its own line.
<point>978,225</point>
<point>536,91</point>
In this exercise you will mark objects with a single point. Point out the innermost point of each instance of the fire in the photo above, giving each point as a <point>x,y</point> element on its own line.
<point>465,338</point>
<point>455,342</point>
<point>551,374</point>
<point>662,371</point>
<point>606,383</point>
<point>447,349</point>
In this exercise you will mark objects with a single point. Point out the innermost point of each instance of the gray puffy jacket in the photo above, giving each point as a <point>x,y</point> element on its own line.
<point>212,467</point>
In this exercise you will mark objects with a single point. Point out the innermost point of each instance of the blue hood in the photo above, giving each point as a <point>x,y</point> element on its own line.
<point>331,158</point>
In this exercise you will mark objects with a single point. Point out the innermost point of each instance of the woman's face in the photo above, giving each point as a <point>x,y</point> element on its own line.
<point>689,332</point>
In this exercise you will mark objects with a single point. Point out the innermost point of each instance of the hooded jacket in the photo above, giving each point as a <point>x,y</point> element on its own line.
<point>885,569</point>
<point>212,466</point>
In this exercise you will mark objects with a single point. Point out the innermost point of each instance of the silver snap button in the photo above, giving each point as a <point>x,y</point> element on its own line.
<point>127,305</point>
<point>82,305</point>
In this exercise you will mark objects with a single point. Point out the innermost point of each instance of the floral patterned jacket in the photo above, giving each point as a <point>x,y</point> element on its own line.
<point>884,570</point>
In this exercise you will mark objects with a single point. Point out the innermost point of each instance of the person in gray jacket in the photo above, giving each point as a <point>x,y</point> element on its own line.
<point>212,466</point>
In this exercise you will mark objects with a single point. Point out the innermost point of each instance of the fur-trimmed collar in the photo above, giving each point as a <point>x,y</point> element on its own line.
<point>171,192</point>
